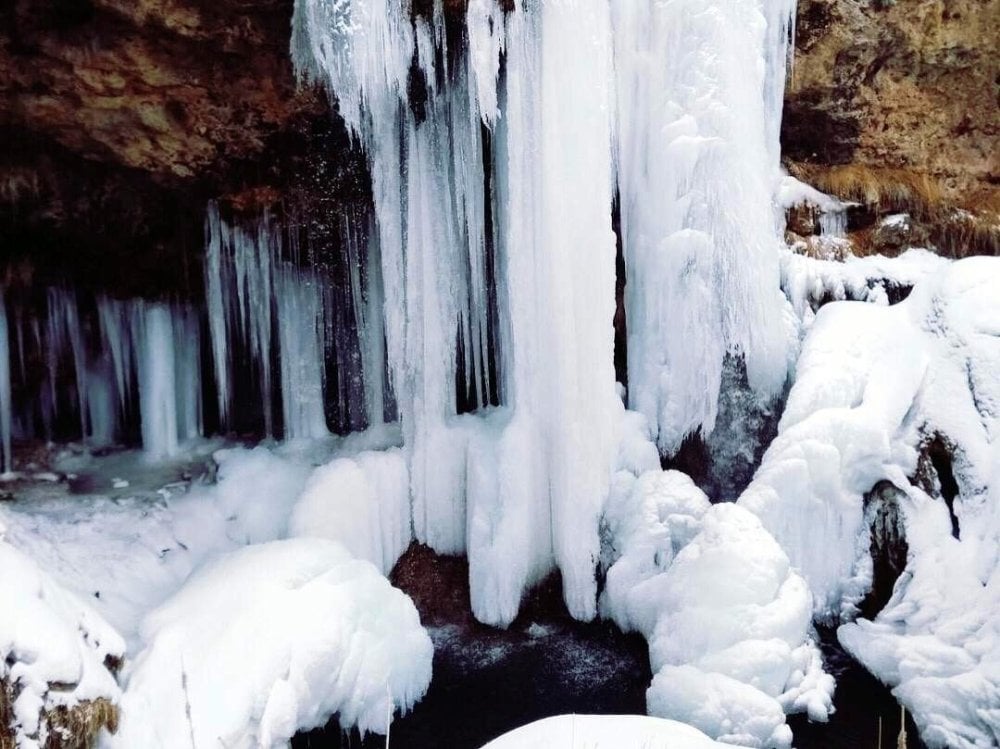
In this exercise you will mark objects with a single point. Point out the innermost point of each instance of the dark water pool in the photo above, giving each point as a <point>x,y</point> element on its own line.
<point>487,681</point>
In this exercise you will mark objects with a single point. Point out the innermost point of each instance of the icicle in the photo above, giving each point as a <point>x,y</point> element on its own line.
<point>833,222</point>
<point>113,321</point>
<point>64,335</point>
<point>153,332</point>
<point>187,377</point>
<point>548,453</point>
<point>557,260</point>
<point>299,298</point>
<point>6,415</point>
<point>217,281</point>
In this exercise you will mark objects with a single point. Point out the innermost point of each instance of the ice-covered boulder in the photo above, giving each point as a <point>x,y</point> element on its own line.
<point>269,640</point>
<point>876,388</point>
<point>727,620</point>
<point>731,645</point>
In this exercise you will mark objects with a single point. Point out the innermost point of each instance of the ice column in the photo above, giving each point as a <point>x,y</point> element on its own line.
<point>557,258</point>
<point>698,101</point>
<point>535,472</point>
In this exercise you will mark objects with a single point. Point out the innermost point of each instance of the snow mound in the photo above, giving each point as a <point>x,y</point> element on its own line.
<point>55,650</point>
<point>876,387</point>
<point>731,646</point>
<point>269,640</point>
<point>256,490</point>
<point>727,620</point>
<point>363,502</point>
<point>608,731</point>
<point>654,517</point>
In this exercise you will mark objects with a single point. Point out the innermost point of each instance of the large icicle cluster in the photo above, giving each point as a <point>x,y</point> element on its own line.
<point>498,260</point>
<point>257,285</point>
<point>494,173</point>
<point>98,369</point>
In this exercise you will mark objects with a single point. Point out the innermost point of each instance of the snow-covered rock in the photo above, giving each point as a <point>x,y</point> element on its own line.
<point>603,732</point>
<point>55,650</point>
<point>269,640</point>
<point>874,386</point>
<point>732,630</point>
<point>727,620</point>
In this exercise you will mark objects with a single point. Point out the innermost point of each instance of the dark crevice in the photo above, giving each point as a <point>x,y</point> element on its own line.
<point>941,459</point>
<point>620,321</point>
<point>889,549</point>
<point>722,463</point>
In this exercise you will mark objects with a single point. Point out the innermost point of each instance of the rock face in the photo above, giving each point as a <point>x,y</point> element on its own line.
<point>170,87</point>
<point>900,87</point>
<point>123,117</point>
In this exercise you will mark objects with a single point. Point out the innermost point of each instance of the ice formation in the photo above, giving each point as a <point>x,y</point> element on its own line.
<point>258,283</point>
<point>327,632</point>
<point>472,308</point>
<point>519,489</point>
<point>727,620</point>
<point>875,385</point>
<point>6,407</point>
<point>698,99</point>
<point>603,732</point>
<point>361,501</point>
<point>132,365</point>
<point>54,647</point>
<point>481,199</point>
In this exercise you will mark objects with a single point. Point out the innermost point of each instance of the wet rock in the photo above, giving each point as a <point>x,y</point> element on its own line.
<point>898,232</point>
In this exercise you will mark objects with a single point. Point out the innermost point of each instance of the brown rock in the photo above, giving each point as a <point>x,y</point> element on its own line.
<point>908,85</point>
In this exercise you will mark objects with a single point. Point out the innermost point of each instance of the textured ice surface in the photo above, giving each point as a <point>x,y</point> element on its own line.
<point>254,641</point>
<point>363,502</point>
<point>875,384</point>
<point>698,96</point>
<point>727,620</point>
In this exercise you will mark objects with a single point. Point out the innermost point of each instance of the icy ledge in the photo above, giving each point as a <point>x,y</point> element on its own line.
<point>269,640</point>
<point>603,732</point>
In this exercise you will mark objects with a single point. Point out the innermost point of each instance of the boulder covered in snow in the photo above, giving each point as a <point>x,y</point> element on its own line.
<point>269,640</point>
<point>875,386</point>
<point>603,732</point>
<point>58,659</point>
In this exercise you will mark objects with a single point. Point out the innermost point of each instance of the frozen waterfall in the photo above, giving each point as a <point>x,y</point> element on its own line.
<point>494,170</point>
<point>473,300</point>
